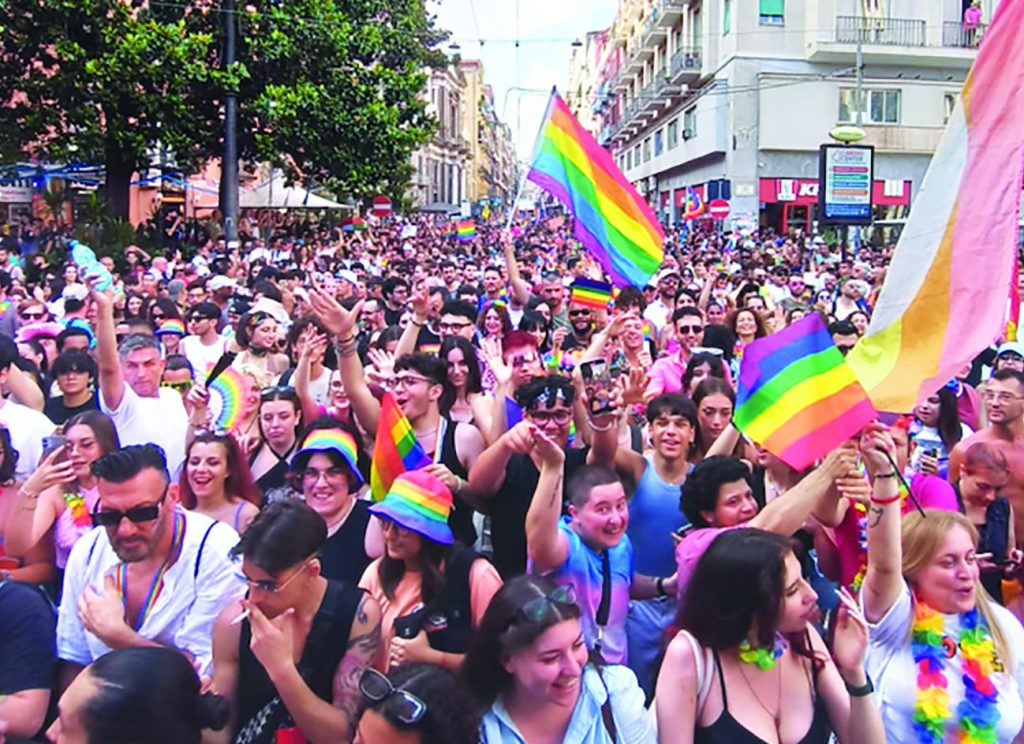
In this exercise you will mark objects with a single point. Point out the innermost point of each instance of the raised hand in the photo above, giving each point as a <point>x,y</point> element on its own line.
<point>335,318</point>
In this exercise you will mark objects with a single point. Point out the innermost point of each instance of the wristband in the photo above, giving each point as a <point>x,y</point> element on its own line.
<point>884,502</point>
<point>418,325</point>
<point>660,586</point>
<point>597,428</point>
<point>863,691</point>
<point>886,475</point>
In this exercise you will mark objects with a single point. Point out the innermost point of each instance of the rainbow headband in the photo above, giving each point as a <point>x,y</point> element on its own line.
<point>337,440</point>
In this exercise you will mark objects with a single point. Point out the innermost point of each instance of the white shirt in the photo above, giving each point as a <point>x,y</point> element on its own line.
<point>203,357</point>
<point>27,427</point>
<point>161,421</point>
<point>184,612</point>
<point>658,313</point>
<point>890,665</point>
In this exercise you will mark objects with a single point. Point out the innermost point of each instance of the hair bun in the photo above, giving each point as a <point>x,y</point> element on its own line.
<point>212,711</point>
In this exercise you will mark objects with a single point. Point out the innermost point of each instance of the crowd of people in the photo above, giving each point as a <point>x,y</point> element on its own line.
<point>594,553</point>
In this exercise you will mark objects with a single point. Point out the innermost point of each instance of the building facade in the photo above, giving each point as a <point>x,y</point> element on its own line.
<point>691,92</point>
<point>441,165</point>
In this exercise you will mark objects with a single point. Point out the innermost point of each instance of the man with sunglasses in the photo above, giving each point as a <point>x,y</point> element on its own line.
<point>582,326</point>
<point>153,574</point>
<point>667,373</point>
<point>291,606</point>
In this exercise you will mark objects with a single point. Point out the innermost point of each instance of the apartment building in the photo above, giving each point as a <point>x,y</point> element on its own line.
<point>440,166</point>
<point>692,91</point>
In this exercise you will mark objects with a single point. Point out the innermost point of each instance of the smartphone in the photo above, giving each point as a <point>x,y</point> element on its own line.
<point>52,442</point>
<point>931,452</point>
<point>597,382</point>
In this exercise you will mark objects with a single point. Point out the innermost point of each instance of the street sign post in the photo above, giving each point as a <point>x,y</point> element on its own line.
<point>718,209</point>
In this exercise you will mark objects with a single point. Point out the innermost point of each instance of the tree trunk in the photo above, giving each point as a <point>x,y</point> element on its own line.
<point>118,185</point>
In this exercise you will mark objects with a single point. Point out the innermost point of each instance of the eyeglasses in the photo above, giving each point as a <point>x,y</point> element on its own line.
<point>180,387</point>
<point>690,329</point>
<point>136,515</point>
<point>377,688</point>
<point>999,397</point>
<point>524,360</point>
<point>196,318</point>
<point>331,475</point>
<point>410,380</point>
<point>41,315</point>
<point>1010,356</point>
<point>559,417</point>
<point>270,586</point>
<point>386,525</point>
<point>578,313</point>
<point>452,327</point>
<point>534,610</point>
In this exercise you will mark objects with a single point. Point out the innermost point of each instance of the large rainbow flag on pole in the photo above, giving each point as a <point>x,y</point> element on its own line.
<point>797,397</point>
<point>611,220</point>
<point>395,450</point>
<point>944,297</point>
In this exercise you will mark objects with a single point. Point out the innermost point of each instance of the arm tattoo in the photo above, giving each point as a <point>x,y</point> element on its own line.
<point>362,648</point>
<point>555,490</point>
<point>876,518</point>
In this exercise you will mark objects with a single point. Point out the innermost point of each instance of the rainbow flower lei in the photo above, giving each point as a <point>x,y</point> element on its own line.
<point>978,712</point>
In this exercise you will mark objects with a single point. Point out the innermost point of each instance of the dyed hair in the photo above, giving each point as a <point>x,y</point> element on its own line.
<point>239,482</point>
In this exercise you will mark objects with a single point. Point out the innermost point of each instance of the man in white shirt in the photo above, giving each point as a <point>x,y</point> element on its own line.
<point>130,391</point>
<point>660,310</point>
<point>154,574</point>
<point>27,426</point>
<point>204,346</point>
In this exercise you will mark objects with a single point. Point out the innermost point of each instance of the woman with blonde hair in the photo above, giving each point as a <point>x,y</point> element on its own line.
<point>941,651</point>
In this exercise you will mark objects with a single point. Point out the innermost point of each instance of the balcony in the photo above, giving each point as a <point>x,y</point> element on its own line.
<point>671,11</point>
<point>905,42</point>
<point>685,66</point>
<point>652,32</point>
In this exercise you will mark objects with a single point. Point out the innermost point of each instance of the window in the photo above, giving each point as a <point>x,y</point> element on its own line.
<point>629,159</point>
<point>772,12</point>
<point>879,107</point>
<point>726,16</point>
<point>673,134</point>
<point>636,156</point>
<point>659,138</point>
<point>951,99</point>
<point>647,150</point>
<point>690,123</point>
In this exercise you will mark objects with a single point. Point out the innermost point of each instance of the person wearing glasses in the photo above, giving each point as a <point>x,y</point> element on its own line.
<point>1004,404</point>
<point>326,471</point>
<point>431,594</point>
<point>290,654</point>
<point>204,345</point>
<point>1010,356</point>
<point>582,324</point>
<point>667,372</point>
<point>420,381</point>
<point>32,311</point>
<point>530,671</point>
<point>155,574</point>
<point>416,704</point>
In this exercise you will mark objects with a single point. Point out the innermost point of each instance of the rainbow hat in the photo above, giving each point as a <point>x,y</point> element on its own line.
<point>420,502</point>
<point>172,325</point>
<point>329,440</point>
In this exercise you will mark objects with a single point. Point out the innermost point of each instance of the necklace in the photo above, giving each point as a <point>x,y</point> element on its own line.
<point>764,658</point>
<point>157,585</point>
<point>778,701</point>
<point>978,712</point>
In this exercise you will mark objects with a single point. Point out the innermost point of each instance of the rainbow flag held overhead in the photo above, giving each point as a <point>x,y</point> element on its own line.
<point>797,396</point>
<point>945,293</point>
<point>612,222</point>
<point>395,449</point>
<point>465,230</point>
<point>588,293</point>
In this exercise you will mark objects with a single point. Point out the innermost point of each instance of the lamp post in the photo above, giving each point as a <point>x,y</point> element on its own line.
<point>229,167</point>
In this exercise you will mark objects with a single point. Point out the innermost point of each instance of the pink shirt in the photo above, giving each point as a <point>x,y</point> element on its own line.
<point>667,375</point>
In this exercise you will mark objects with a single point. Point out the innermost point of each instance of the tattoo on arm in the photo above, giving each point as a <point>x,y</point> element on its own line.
<point>876,516</point>
<point>362,648</point>
<point>556,490</point>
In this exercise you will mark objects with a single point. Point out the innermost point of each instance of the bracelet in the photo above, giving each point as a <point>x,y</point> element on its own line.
<point>863,691</point>
<point>418,325</point>
<point>884,502</point>
<point>660,586</point>
<point>349,340</point>
<point>26,494</point>
<point>886,475</point>
<point>594,427</point>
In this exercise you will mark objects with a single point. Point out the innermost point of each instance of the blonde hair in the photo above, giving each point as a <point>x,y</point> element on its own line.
<point>921,538</point>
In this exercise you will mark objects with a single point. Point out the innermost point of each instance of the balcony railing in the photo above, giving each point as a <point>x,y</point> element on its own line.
<point>685,59</point>
<point>905,32</point>
<point>955,35</point>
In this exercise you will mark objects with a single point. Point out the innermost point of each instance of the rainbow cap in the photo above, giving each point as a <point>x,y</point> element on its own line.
<point>420,502</point>
<point>172,325</point>
<point>334,440</point>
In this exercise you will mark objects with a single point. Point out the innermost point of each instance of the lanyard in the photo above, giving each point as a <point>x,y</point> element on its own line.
<point>157,585</point>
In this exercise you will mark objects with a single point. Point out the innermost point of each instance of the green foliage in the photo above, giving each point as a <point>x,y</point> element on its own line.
<point>327,89</point>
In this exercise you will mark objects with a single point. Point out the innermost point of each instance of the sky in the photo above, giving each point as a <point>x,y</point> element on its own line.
<point>546,29</point>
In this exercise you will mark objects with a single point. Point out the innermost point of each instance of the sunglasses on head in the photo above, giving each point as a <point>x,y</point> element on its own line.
<point>534,610</point>
<point>402,704</point>
<point>135,515</point>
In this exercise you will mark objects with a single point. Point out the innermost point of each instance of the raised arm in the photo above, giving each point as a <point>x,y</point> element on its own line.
<point>24,389</point>
<point>520,289</point>
<point>884,578</point>
<point>36,505</point>
<point>420,302</point>
<point>111,377</point>
<point>546,546</point>
<point>310,408</point>
<point>488,472</point>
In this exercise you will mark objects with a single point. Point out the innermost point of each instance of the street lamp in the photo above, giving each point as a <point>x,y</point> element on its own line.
<point>229,168</point>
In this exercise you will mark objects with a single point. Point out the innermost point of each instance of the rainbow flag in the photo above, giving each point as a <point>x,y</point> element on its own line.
<point>611,220</point>
<point>797,397</point>
<point>395,449</point>
<point>694,206</point>
<point>588,293</point>
<point>944,297</point>
<point>465,230</point>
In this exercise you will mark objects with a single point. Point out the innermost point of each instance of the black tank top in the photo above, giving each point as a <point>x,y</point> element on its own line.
<point>260,711</point>
<point>727,730</point>
<point>461,517</point>
<point>343,557</point>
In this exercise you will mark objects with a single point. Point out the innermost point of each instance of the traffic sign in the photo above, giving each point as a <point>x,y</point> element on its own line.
<point>381,206</point>
<point>718,209</point>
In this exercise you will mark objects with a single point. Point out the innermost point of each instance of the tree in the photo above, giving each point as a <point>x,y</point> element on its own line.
<point>326,88</point>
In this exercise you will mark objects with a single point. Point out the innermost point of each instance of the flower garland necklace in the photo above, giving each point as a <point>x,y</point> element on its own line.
<point>862,537</point>
<point>763,658</point>
<point>978,712</point>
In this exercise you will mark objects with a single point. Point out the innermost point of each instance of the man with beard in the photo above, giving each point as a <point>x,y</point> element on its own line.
<point>154,574</point>
<point>581,322</point>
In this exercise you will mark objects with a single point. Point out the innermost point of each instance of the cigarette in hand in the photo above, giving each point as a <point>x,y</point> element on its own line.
<point>241,616</point>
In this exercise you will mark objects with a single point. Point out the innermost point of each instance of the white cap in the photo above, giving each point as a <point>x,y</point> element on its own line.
<point>220,282</point>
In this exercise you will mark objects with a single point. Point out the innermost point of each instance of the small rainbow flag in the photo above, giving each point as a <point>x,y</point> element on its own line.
<point>465,230</point>
<point>227,398</point>
<point>395,449</point>
<point>797,397</point>
<point>615,225</point>
<point>694,206</point>
<point>588,293</point>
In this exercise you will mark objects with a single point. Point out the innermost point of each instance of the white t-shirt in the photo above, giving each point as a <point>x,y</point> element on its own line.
<point>27,427</point>
<point>202,357</point>
<point>890,665</point>
<point>184,612</point>
<point>161,421</point>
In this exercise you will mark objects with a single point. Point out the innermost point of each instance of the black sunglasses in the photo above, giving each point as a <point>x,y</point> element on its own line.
<point>135,515</point>
<point>405,706</point>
